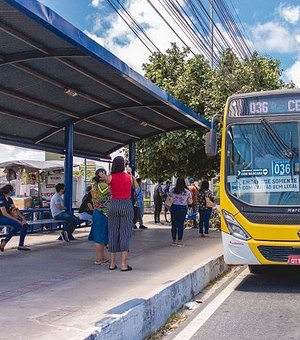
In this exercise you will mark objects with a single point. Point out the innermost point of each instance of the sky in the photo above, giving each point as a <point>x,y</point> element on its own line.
<point>272,27</point>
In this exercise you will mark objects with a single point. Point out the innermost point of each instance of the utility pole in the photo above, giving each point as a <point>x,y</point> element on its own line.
<point>212,32</point>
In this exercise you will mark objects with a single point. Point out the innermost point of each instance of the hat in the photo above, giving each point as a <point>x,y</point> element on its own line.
<point>191,180</point>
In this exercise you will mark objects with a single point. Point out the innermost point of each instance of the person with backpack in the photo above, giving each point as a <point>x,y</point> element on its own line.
<point>194,207</point>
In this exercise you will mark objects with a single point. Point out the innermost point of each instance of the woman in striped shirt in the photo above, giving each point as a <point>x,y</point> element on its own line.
<point>120,214</point>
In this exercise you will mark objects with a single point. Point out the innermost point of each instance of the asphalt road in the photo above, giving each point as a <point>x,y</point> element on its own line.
<point>248,306</point>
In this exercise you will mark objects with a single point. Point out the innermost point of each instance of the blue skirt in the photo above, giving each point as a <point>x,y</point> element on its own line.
<point>99,229</point>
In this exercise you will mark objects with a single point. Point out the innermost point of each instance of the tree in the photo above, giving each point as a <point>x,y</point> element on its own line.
<point>205,90</point>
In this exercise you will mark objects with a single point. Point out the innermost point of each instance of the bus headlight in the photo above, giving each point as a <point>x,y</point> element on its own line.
<point>234,227</point>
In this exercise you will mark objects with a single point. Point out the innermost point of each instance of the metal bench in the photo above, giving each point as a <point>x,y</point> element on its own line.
<point>41,225</point>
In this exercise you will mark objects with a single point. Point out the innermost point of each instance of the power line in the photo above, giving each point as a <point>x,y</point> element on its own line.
<point>192,24</point>
<point>134,27</point>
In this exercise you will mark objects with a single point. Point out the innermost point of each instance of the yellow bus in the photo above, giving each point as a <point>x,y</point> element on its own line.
<point>259,178</point>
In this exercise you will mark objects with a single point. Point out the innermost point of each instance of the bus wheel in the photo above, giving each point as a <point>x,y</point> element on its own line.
<point>255,269</point>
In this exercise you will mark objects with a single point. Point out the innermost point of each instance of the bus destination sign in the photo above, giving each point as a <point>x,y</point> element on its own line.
<point>263,105</point>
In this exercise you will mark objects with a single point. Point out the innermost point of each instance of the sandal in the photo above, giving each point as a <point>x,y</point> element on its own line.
<point>2,245</point>
<point>113,268</point>
<point>128,269</point>
<point>104,262</point>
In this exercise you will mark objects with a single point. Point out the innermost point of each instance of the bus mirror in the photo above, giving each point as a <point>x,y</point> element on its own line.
<point>211,145</point>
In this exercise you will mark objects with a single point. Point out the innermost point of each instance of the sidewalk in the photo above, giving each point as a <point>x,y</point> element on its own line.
<point>56,291</point>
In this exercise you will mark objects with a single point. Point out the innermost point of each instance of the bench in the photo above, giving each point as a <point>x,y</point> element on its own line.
<point>37,226</point>
<point>41,224</point>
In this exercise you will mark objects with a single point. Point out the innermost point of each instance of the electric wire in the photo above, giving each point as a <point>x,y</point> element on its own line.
<point>191,23</point>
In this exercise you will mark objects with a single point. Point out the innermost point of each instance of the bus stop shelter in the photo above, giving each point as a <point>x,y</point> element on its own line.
<point>62,92</point>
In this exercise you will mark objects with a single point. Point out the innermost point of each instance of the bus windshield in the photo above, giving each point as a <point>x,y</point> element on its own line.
<point>262,163</point>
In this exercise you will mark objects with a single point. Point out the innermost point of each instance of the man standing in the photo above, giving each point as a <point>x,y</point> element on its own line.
<point>58,211</point>
<point>166,192</point>
<point>140,203</point>
<point>158,200</point>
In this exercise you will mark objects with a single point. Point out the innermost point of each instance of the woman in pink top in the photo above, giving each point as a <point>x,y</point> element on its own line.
<point>120,214</point>
<point>182,197</point>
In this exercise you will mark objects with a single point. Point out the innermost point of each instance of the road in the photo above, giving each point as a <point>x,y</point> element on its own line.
<point>249,306</point>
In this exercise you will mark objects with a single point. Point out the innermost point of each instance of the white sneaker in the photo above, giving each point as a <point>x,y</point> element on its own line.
<point>64,235</point>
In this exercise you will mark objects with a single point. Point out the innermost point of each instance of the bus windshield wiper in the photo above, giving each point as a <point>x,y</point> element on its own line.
<point>277,139</point>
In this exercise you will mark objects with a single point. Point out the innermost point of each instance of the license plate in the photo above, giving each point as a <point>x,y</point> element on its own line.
<point>294,259</point>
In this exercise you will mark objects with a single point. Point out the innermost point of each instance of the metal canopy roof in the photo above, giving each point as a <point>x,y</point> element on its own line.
<point>53,74</point>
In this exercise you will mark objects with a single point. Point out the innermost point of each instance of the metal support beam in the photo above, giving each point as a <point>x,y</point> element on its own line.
<point>132,156</point>
<point>69,142</point>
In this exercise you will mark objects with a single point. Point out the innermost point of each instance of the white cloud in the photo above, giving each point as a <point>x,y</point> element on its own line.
<point>96,3</point>
<point>289,13</point>
<point>119,39</point>
<point>132,54</point>
<point>293,73</point>
<point>9,153</point>
<point>273,37</point>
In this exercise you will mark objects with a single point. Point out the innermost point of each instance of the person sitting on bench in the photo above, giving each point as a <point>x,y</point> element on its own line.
<point>86,207</point>
<point>17,221</point>
<point>58,211</point>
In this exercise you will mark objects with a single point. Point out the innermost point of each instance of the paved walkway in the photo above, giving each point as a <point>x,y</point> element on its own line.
<point>56,291</point>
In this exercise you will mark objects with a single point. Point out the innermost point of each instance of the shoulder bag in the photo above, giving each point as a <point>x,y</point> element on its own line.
<point>168,202</point>
<point>209,203</point>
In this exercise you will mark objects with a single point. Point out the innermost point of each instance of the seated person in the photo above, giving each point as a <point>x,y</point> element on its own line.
<point>86,208</point>
<point>14,212</point>
<point>16,220</point>
<point>58,211</point>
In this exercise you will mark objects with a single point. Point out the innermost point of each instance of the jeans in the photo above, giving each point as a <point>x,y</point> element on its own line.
<point>178,213</point>
<point>141,212</point>
<point>195,208</point>
<point>16,228</point>
<point>157,211</point>
<point>72,221</point>
<point>204,220</point>
<point>86,216</point>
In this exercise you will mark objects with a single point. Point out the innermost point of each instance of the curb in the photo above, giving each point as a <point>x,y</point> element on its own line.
<point>139,318</point>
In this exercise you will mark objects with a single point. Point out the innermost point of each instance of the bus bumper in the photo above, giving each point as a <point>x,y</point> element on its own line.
<point>237,251</point>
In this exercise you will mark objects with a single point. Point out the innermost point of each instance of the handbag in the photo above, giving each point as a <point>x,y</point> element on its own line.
<point>168,202</point>
<point>209,203</point>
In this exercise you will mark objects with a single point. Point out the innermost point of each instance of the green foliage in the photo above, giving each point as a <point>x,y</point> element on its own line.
<point>215,219</point>
<point>175,153</point>
<point>205,90</point>
<point>217,190</point>
<point>80,172</point>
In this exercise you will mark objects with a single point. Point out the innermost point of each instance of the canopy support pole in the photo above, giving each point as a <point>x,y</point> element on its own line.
<point>69,143</point>
<point>132,156</point>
